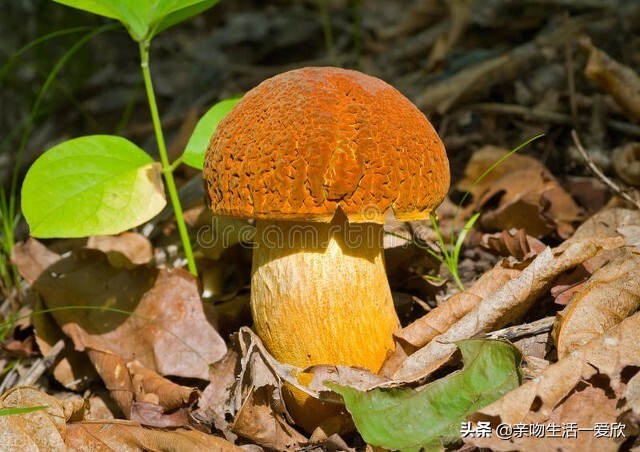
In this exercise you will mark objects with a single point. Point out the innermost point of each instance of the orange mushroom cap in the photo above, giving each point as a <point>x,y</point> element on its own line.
<point>304,143</point>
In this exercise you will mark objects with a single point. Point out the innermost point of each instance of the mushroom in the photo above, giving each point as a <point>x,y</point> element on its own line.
<point>318,156</point>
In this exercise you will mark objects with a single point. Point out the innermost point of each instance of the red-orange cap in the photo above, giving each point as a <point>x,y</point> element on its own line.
<point>304,143</point>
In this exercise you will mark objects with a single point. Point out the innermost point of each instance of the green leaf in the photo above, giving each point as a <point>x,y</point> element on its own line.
<point>92,185</point>
<point>197,146</point>
<point>142,17</point>
<point>184,14</point>
<point>21,410</point>
<point>410,420</point>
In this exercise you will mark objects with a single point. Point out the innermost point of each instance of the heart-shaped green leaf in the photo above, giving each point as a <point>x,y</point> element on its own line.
<point>409,420</point>
<point>197,146</point>
<point>143,18</point>
<point>92,185</point>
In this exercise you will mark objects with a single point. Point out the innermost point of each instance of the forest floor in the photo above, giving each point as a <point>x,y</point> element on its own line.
<point>126,351</point>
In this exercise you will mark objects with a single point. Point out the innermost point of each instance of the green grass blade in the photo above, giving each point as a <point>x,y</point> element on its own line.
<point>36,106</point>
<point>462,236</point>
<point>18,53</point>
<point>492,167</point>
<point>21,410</point>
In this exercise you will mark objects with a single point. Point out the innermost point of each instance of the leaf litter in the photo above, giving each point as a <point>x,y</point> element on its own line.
<point>585,371</point>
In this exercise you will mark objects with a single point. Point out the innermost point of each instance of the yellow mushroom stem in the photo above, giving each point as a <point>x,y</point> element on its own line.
<point>320,295</point>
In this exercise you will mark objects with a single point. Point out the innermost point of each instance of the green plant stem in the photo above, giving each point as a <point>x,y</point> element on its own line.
<point>162,149</point>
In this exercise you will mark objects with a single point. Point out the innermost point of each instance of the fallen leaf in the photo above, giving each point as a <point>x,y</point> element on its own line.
<point>258,422</point>
<point>38,430</point>
<point>620,81</point>
<point>568,284</point>
<point>514,242</point>
<point>215,397</point>
<point>153,415</point>
<point>519,193</point>
<point>440,319</point>
<point>630,406</point>
<point>610,295</point>
<point>31,258</point>
<point>626,162</point>
<point>154,316</point>
<point>123,249</point>
<point>406,419</point>
<point>129,436</point>
<point>506,305</point>
<point>130,383</point>
<point>605,363</point>
<point>71,368</point>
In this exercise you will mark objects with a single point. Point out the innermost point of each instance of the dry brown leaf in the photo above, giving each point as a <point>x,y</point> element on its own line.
<point>569,283</point>
<point>620,81</point>
<point>38,430</point>
<point>519,193</point>
<point>124,436</point>
<point>506,305</point>
<point>626,163</point>
<point>613,222</point>
<point>31,258</point>
<point>514,242</point>
<point>258,422</point>
<point>71,368</point>
<point>360,379</point>
<point>440,319</point>
<point>124,249</point>
<point>631,406</point>
<point>607,222</point>
<point>609,296</point>
<point>154,316</point>
<point>214,398</point>
<point>130,382</point>
<point>562,393</point>
<point>248,369</point>
<point>152,415</point>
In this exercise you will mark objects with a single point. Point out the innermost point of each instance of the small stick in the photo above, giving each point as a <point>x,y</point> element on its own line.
<point>511,333</point>
<point>592,166</point>
<point>41,365</point>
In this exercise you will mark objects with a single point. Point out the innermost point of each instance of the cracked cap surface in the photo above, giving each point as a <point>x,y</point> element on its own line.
<point>304,143</point>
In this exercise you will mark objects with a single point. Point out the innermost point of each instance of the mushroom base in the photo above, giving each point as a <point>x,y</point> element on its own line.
<point>319,295</point>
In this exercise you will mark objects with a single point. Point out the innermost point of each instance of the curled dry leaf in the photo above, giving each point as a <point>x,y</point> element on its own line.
<point>609,296</point>
<point>129,384</point>
<point>583,388</point>
<point>129,436</point>
<point>506,305</point>
<point>251,395</point>
<point>213,400</point>
<point>620,81</point>
<point>123,250</point>
<point>514,242</point>
<point>258,422</point>
<point>614,222</point>
<point>519,193</point>
<point>38,430</point>
<point>440,319</point>
<point>631,405</point>
<point>150,414</point>
<point>626,163</point>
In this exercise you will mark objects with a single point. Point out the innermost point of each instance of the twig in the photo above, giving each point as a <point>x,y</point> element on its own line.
<point>546,115</point>
<point>528,329</point>
<point>41,365</point>
<point>592,166</point>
